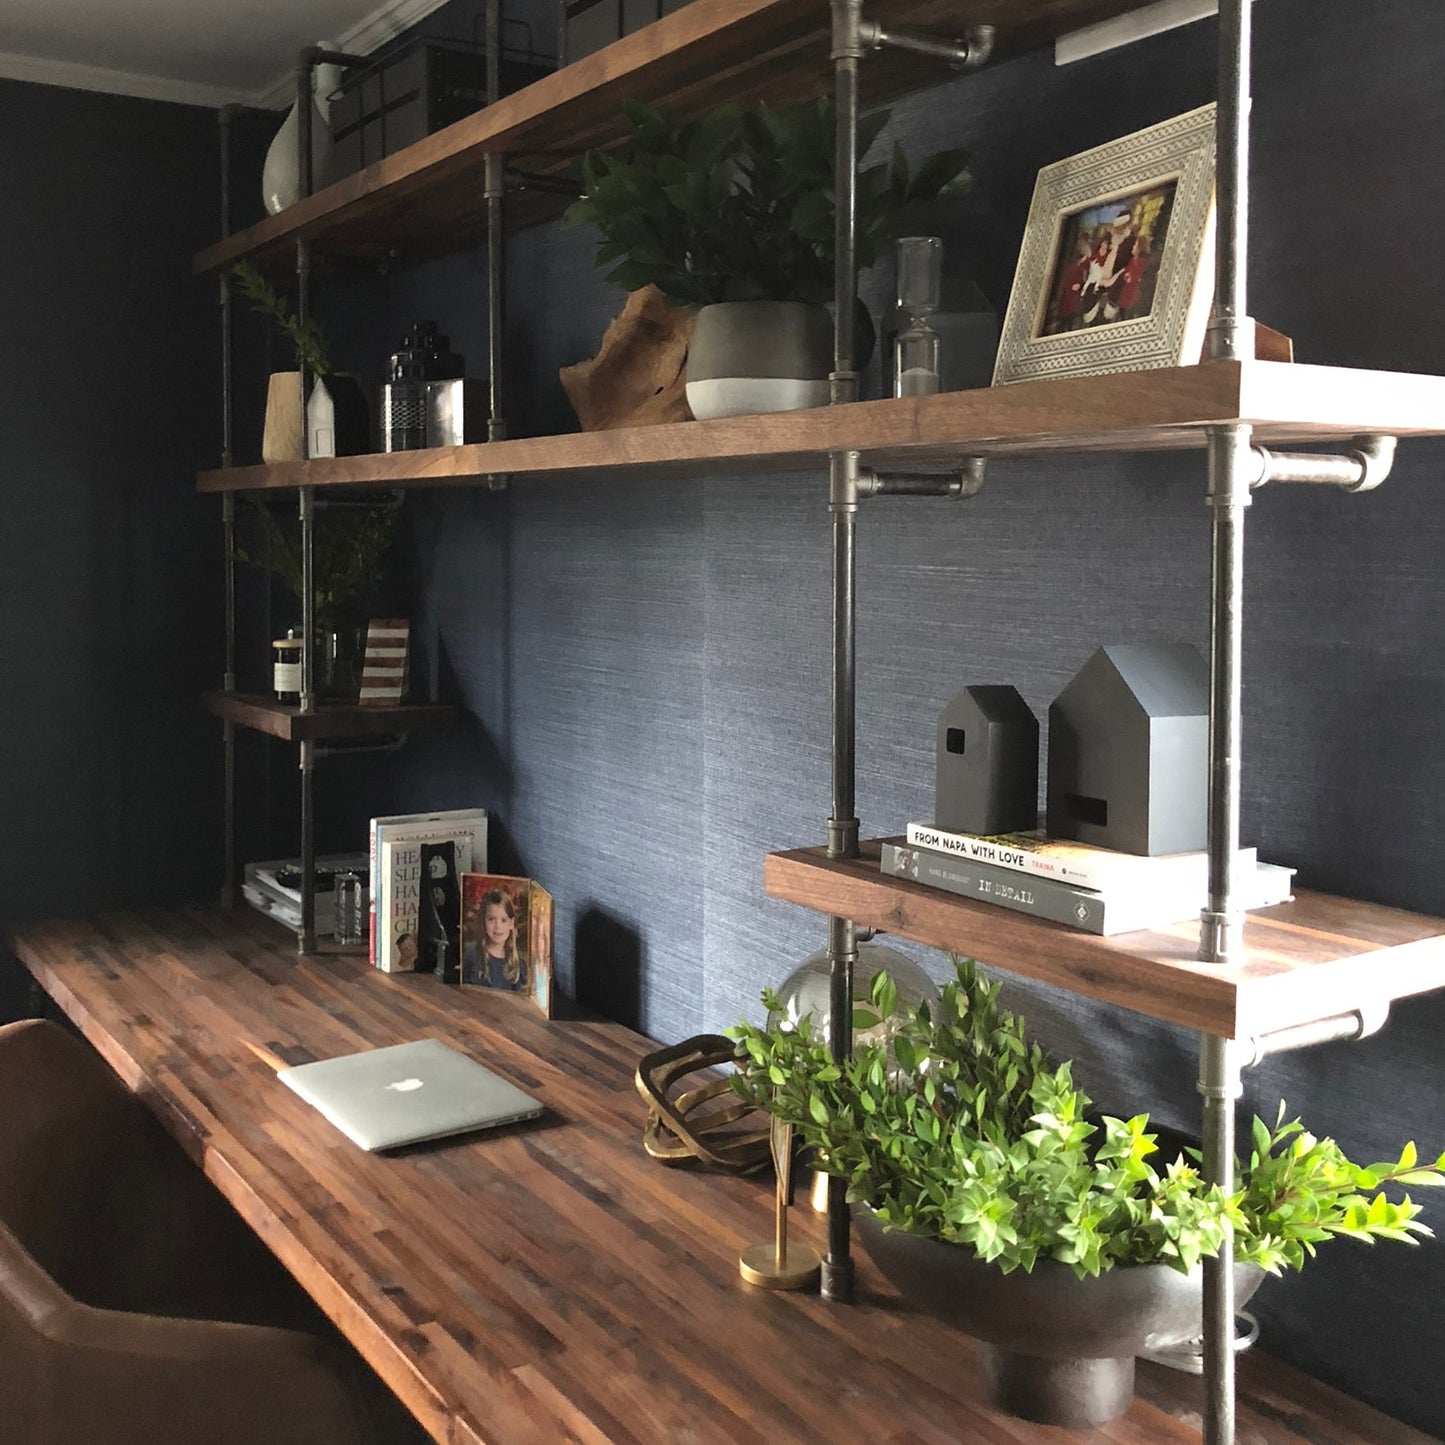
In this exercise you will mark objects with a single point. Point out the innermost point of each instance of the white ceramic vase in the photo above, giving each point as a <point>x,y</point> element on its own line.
<point>280,178</point>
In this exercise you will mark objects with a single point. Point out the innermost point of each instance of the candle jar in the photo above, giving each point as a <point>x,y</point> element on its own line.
<point>286,667</point>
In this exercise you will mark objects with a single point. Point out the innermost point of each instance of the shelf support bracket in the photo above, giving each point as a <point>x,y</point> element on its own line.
<point>1360,469</point>
<point>967,53</point>
<point>1358,1023</point>
<point>961,485</point>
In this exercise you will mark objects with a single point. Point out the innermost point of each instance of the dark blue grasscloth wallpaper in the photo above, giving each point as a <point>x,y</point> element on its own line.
<point>644,664</point>
<point>647,663</point>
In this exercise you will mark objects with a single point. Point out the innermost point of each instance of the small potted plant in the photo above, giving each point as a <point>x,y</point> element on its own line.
<point>734,214</point>
<point>335,420</point>
<point>982,1189</point>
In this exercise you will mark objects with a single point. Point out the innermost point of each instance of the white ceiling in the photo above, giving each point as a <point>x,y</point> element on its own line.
<point>201,52</point>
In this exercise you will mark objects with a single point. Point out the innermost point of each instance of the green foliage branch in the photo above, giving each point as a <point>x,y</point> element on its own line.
<point>306,337</point>
<point>349,554</point>
<point>961,1130</point>
<point>739,206</point>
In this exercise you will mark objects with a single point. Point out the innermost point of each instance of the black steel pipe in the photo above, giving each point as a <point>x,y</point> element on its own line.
<point>1231,331</point>
<point>847,50</point>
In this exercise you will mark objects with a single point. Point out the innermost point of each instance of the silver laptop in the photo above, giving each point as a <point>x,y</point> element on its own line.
<point>401,1095</point>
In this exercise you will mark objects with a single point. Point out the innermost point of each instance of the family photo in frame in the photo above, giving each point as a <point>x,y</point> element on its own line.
<point>506,931</point>
<point>1116,271</point>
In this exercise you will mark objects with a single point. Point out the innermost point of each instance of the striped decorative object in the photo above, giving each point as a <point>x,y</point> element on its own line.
<point>383,674</point>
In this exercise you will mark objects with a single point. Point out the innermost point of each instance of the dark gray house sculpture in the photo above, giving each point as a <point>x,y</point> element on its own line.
<point>1128,750</point>
<point>987,778</point>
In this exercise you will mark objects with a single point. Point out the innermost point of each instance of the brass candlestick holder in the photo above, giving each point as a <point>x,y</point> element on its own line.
<point>781,1264</point>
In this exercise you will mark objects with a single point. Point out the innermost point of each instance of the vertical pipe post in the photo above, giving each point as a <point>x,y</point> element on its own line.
<point>1219,1083</point>
<point>494,51</point>
<point>306,503</point>
<point>1231,330</point>
<point>228,536</point>
<point>847,51</point>
<point>494,164</point>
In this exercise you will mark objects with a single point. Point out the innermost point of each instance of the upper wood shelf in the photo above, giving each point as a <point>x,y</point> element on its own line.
<point>428,197</point>
<point>1302,961</point>
<point>331,720</point>
<point>1130,411</point>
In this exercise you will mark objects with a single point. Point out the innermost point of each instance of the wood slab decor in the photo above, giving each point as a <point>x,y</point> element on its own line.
<point>545,1282</point>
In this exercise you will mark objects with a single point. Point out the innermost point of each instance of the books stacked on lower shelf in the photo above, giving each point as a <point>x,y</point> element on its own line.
<point>1094,889</point>
<point>274,886</point>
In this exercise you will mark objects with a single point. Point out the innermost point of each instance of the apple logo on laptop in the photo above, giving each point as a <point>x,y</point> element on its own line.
<point>405,1086</point>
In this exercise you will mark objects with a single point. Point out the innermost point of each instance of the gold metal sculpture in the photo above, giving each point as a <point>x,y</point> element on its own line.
<point>781,1264</point>
<point>679,1127</point>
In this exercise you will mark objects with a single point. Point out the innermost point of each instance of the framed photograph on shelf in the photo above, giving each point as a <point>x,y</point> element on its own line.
<point>1116,272</point>
<point>507,936</point>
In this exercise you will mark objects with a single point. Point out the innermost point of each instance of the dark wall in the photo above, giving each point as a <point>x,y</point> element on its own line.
<point>109,562</point>
<point>646,664</point>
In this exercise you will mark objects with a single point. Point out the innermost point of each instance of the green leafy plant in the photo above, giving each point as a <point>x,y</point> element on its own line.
<point>306,337</point>
<point>739,206</point>
<point>961,1130</point>
<point>349,554</point>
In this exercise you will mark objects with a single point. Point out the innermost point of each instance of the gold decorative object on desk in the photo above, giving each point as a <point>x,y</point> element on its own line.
<point>678,1128</point>
<point>781,1264</point>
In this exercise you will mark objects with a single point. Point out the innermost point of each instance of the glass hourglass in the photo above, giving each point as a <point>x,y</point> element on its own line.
<point>915,344</point>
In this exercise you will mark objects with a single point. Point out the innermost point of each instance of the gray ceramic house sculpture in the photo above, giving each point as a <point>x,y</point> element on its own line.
<point>988,762</point>
<point>1128,750</point>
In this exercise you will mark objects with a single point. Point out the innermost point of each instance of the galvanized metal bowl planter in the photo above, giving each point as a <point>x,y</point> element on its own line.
<point>1054,1348</point>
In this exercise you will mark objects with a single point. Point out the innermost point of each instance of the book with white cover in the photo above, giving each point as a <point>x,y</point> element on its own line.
<point>384,1098</point>
<point>1120,910</point>
<point>465,827</point>
<point>1081,864</point>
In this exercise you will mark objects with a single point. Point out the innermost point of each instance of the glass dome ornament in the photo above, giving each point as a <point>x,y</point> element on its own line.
<point>807,990</point>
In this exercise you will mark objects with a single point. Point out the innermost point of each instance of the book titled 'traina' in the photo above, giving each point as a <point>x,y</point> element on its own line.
<point>1117,911</point>
<point>1078,863</point>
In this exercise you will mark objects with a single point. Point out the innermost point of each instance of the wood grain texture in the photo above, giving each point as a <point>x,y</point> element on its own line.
<point>1129,411</point>
<point>1302,961</point>
<point>708,52</point>
<point>331,720</point>
<point>545,1282</point>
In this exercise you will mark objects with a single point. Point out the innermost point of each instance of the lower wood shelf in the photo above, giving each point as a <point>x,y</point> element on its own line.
<point>333,720</point>
<point>1302,961</point>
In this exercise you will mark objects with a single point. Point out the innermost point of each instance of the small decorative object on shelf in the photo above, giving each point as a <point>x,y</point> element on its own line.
<point>1129,750</point>
<point>987,1195</point>
<point>806,992</point>
<point>680,1124</point>
<point>916,356</point>
<point>1117,266</point>
<point>280,179</point>
<point>987,772</point>
<point>273,887</point>
<point>286,667</point>
<point>383,669</point>
<point>423,358</point>
<point>351,910</point>
<point>734,213</point>
<point>507,936</point>
<point>638,376</point>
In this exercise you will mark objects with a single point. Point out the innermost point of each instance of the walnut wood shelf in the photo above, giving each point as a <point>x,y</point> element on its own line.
<point>1301,961</point>
<point>546,1282</point>
<point>1127,411</point>
<point>428,197</point>
<point>282,720</point>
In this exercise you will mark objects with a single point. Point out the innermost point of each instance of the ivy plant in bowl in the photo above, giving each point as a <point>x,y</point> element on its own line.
<point>734,213</point>
<point>1067,1247</point>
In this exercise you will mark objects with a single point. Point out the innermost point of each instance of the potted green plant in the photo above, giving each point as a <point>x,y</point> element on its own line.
<point>349,555</point>
<point>984,1190</point>
<point>334,421</point>
<point>734,213</point>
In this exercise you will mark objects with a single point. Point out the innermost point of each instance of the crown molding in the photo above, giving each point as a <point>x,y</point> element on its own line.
<point>72,76</point>
<point>368,35</point>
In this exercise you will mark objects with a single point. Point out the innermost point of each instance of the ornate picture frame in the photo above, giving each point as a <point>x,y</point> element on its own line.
<point>1116,271</point>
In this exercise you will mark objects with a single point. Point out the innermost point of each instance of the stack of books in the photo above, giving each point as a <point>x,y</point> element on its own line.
<point>1095,889</point>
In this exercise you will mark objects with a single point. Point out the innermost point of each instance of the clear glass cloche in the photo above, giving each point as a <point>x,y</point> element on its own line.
<point>806,991</point>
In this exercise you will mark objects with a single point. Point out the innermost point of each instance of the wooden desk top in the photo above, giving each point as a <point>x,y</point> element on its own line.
<point>547,1282</point>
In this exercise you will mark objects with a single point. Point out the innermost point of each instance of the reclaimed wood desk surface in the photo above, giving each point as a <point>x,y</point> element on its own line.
<point>546,1282</point>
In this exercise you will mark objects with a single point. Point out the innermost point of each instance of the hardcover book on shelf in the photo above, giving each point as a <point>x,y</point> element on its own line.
<point>465,829</point>
<point>507,936</point>
<point>1081,864</point>
<point>273,886</point>
<point>1118,910</point>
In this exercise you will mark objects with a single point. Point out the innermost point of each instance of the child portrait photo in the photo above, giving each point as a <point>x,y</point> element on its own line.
<point>496,932</point>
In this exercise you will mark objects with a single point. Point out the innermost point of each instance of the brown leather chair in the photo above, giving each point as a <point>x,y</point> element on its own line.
<point>135,1306</point>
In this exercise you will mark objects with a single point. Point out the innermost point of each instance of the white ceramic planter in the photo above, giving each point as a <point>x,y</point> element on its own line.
<point>758,356</point>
